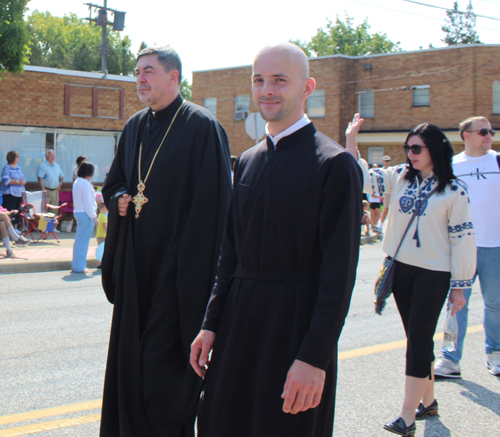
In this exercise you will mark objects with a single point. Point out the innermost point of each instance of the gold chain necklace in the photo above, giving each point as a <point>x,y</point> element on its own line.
<point>140,199</point>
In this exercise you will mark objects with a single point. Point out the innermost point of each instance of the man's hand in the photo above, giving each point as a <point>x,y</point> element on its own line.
<point>303,388</point>
<point>200,349</point>
<point>22,182</point>
<point>123,202</point>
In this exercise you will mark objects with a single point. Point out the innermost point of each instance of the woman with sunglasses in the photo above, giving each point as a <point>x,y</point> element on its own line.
<point>437,253</point>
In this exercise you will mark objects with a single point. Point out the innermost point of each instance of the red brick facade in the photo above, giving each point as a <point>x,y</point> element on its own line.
<point>37,98</point>
<point>460,81</point>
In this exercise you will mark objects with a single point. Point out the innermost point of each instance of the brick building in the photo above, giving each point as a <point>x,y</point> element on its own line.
<point>394,92</point>
<point>75,113</point>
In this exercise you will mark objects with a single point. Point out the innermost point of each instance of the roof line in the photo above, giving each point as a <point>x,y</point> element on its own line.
<point>94,75</point>
<point>315,58</point>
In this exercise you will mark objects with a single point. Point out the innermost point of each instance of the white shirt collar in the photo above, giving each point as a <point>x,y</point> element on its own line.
<point>288,131</point>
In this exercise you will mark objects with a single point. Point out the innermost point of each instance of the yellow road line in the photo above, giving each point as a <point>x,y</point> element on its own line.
<point>47,426</point>
<point>369,350</point>
<point>90,405</point>
<point>56,411</point>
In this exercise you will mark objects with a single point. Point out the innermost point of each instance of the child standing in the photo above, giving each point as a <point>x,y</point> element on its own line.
<point>102,227</point>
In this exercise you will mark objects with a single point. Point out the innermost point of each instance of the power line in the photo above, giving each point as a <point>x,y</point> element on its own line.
<point>414,15</point>
<point>451,10</point>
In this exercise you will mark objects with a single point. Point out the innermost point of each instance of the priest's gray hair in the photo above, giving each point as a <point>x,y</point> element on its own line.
<point>167,57</point>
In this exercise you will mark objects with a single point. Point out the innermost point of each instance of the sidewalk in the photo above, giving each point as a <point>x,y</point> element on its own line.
<point>45,256</point>
<point>49,255</point>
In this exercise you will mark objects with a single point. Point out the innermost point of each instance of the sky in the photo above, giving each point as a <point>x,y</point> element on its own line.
<point>210,34</point>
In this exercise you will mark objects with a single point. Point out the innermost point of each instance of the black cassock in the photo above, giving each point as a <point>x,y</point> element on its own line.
<point>283,287</point>
<point>158,269</point>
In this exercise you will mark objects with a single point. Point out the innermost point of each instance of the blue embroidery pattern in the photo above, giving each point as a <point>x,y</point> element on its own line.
<point>461,283</point>
<point>379,180</point>
<point>460,228</point>
<point>413,200</point>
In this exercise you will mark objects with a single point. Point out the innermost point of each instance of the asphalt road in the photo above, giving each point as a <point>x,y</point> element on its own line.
<point>54,330</point>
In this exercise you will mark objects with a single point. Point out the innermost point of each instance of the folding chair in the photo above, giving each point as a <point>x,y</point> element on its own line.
<point>36,218</point>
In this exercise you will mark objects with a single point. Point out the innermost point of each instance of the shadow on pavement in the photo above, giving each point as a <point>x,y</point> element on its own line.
<point>434,427</point>
<point>75,277</point>
<point>482,396</point>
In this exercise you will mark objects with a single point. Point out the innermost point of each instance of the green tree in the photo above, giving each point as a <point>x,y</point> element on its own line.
<point>14,36</point>
<point>345,39</point>
<point>186,89</point>
<point>459,26</point>
<point>71,43</point>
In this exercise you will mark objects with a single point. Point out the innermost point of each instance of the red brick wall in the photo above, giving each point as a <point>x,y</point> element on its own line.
<point>460,82</point>
<point>36,98</point>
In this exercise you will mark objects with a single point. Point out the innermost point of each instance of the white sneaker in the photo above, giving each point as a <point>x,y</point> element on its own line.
<point>494,363</point>
<point>446,368</point>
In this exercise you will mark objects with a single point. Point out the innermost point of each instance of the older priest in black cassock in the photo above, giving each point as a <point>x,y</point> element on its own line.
<point>286,271</point>
<point>167,192</point>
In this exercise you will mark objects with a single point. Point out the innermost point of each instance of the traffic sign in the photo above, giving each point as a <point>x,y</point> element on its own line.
<point>255,126</point>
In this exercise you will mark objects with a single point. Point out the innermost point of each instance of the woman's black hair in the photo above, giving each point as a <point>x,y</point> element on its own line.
<point>86,169</point>
<point>80,159</point>
<point>441,152</point>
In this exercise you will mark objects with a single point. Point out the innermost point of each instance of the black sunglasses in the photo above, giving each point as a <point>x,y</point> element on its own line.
<point>416,149</point>
<point>483,132</point>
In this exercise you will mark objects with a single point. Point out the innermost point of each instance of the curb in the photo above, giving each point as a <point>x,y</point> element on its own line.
<point>50,265</point>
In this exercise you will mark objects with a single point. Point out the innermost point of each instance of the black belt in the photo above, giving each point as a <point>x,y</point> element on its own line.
<point>51,189</point>
<point>265,275</point>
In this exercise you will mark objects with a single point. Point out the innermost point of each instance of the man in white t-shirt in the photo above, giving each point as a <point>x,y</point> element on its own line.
<point>478,167</point>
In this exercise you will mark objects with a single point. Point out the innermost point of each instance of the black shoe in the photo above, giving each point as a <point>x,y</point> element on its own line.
<point>399,427</point>
<point>423,412</point>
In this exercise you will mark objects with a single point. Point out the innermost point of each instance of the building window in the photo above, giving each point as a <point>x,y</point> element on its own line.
<point>366,104</point>
<point>421,95</point>
<point>496,97</point>
<point>316,104</point>
<point>242,103</point>
<point>375,155</point>
<point>211,104</point>
<point>33,142</point>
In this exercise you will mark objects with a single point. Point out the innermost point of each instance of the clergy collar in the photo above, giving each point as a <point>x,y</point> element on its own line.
<point>290,130</point>
<point>297,136</point>
<point>169,111</point>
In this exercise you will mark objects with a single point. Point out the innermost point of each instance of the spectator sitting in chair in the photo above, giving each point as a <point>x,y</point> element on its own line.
<point>6,229</point>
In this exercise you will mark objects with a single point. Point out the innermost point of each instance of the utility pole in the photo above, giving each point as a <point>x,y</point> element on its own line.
<point>102,20</point>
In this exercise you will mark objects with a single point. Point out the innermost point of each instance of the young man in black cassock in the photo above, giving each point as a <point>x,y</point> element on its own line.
<point>167,192</point>
<point>286,272</point>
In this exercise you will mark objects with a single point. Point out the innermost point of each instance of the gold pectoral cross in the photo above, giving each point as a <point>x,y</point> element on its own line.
<point>139,199</point>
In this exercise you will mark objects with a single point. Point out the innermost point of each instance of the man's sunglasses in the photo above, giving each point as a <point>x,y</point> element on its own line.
<point>483,132</point>
<point>416,149</point>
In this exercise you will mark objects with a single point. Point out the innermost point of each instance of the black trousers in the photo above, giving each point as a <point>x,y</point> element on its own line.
<point>420,295</point>
<point>10,202</point>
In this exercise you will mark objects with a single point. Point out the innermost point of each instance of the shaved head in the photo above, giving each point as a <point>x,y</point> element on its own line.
<point>287,51</point>
<point>281,85</point>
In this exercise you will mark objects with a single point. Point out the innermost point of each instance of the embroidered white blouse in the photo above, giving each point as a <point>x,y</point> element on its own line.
<point>441,236</point>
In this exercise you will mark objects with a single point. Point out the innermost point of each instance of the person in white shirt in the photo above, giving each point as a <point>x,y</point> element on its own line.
<point>436,254</point>
<point>85,213</point>
<point>478,167</point>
